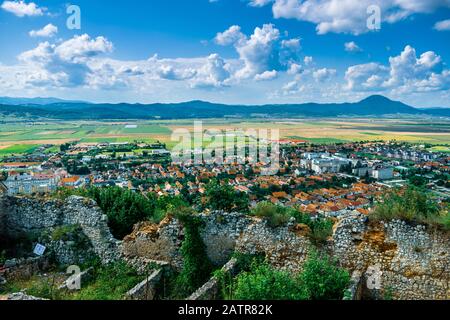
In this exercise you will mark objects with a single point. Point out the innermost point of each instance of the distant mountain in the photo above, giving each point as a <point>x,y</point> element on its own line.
<point>66,110</point>
<point>34,101</point>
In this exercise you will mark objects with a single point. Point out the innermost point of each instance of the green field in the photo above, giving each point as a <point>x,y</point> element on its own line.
<point>17,149</point>
<point>23,137</point>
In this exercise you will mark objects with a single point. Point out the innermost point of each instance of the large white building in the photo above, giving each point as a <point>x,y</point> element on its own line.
<point>328,164</point>
<point>26,183</point>
<point>383,173</point>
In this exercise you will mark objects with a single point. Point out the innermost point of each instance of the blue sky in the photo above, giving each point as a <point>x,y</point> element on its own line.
<point>231,51</point>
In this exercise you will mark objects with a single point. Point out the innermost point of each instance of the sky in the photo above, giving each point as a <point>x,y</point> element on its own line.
<point>227,51</point>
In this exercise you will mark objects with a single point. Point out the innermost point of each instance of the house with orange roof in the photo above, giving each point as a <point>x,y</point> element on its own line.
<point>72,182</point>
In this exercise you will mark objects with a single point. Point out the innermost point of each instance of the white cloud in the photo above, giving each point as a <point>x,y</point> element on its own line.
<point>366,77</point>
<point>259,3</point>
<point>292,44</point>
<point>48,31</point>
<point>213,74</point>
<point>443,25</point>
<point>295,68</point>
<point>230,36</point>
<point>308,60</point>
<point>168,72</point>
<point>405,73</point>
<point>66,64</point>
<point>349,16</point>
<point>323,74</point>
<point>82,47</point>
<point>266,75</point>
<point>352,47</point>
<point>22,9</point>
<point>264,51</point>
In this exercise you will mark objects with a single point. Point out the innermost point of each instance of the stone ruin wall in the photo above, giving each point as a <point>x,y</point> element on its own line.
<point>414,261</point>
<point>21,216</point>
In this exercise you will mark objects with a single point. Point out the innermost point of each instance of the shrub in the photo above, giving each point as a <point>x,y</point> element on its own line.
<point>65,233</point>
<point>321,279</point>
<point>123,207</point>
<point>263,282</point>
<point>412,205</point>
<point>322,229</point>
<point>275,215</point>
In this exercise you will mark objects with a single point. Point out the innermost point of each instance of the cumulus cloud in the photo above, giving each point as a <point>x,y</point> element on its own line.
<point>366,77</point>
<point>213,74</point>
<point>406,72</point>
<point>65,64</point>
<point>168,72</point>
<point>48,31</point>
<point>349,16</point>
<point>266,75</point>
<point>443,25</point>
<point>22,9</point>
<point>323,74</point>
<point>352,47</point>
<point>263,51</point>
<point>83,47</point>
<point>231,36</point>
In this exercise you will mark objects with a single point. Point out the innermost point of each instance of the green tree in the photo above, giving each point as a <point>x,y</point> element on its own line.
<point>224,197</point>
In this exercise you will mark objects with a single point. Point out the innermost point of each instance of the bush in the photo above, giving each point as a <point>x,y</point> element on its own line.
<point>412,205</point>
<point>275,215</point>
<point>321,279</point>
<point>263,282</point>
<point>123,207</point>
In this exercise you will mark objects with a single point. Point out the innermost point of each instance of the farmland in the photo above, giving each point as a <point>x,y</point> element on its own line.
<point>23,137</point>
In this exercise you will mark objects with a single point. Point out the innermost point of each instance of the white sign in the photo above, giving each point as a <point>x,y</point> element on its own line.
<point>39,249</point>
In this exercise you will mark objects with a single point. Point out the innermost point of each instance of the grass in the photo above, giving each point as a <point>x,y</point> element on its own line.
<point>109,282</point>
<point>18,149</point>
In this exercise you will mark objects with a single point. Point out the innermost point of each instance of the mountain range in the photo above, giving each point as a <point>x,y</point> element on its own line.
<point>51,108</point>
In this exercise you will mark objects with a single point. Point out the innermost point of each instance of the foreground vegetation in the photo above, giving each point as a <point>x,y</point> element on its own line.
<point>321,279</point>
<point>412,205</point>
<point>108,282</point>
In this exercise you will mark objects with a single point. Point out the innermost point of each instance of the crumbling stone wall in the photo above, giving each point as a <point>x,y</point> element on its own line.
<point>412,262</point>
<point>34,216</point>
<point>223,233</point>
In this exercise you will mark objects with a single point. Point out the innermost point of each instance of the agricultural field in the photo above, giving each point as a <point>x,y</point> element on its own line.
<point>23,137</point>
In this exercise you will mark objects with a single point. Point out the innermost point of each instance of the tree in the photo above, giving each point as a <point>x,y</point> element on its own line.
<point>224,197</point>
<point>123,207</point>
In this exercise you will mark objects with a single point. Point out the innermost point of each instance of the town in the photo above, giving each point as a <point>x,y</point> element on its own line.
<point>317,179</point>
